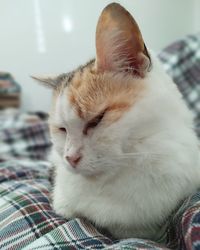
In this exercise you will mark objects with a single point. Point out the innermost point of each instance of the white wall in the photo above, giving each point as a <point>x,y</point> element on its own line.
<point>197,15</point>
<point>54,36</point>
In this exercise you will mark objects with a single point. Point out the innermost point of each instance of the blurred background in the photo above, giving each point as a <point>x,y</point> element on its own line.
<point>41,37</point>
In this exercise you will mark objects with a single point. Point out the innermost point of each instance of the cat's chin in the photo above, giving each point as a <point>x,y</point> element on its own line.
<point>85,172</point>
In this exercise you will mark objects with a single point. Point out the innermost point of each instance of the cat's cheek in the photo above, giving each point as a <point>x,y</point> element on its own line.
<point>59,149</point>
<point>58,143</point>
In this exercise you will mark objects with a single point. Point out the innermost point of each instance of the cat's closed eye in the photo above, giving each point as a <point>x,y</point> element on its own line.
<point>62,129</point>
<point>94,122</point>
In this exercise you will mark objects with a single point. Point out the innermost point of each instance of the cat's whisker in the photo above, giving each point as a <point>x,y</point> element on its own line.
<point>130,156</point>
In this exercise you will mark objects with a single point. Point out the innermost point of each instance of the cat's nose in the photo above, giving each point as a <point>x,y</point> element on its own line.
<point>74,159</point>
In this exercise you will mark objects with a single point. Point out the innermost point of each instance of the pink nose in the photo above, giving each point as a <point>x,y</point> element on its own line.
<point>74,159</point>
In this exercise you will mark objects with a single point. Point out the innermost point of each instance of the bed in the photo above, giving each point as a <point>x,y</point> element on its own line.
<point>27,220</point>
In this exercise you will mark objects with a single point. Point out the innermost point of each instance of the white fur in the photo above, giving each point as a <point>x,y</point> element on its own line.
<point>134,173</point>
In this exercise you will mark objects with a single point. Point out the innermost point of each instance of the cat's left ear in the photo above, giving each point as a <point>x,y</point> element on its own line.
<point>119,43</point>
<point>48,81</point>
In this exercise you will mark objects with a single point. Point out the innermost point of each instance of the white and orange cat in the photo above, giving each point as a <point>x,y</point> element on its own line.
<point>123,142</point>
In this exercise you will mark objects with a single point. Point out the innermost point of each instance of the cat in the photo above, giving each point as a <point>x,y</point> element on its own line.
<point>124,147</point>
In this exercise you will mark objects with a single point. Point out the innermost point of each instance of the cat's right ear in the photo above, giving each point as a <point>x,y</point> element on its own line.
<point>47,81</point>
<point>119,43</point>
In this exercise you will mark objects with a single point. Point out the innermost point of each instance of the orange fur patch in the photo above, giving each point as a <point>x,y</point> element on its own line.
<point>90,93</point>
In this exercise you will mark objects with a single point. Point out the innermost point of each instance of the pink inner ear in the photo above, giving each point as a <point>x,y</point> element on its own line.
<point>119,43</point>
<point>140,66</point>
<point>128,60</point>
<point>119,55</point>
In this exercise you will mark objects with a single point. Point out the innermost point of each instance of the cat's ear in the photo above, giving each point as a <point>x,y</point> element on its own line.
<point>48,81</point>
<point>119,43</point>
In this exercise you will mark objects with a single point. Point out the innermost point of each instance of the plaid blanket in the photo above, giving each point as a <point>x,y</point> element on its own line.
<point>23,136</point>
<point>182,61</point>
<point>27,220</point>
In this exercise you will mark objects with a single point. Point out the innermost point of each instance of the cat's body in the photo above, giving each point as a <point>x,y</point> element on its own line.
<point>124,147</point>
<point>136,198</point>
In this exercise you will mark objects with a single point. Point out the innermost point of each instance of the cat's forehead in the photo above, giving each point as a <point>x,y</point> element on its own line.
<point>90,93</point>
<point>64,112</point>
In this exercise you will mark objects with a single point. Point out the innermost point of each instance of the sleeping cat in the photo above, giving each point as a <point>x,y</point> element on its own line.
<point>123,142</point>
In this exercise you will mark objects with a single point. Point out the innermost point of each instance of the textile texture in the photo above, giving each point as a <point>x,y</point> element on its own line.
<point>182,62</point>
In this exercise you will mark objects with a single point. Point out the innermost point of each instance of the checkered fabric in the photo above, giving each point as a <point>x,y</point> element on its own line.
<point>182,61</point>
<point>27,220</point>
<point>23,136</point>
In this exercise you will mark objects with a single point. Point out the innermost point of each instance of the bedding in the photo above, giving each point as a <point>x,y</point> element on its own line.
<point>181,60</point>
<point>27,220</point>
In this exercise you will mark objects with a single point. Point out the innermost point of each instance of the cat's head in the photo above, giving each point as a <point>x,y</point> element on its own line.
<point>93,107</point>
